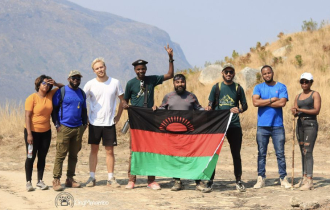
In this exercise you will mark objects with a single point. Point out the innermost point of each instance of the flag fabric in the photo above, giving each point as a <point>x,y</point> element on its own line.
<point>180,144</point>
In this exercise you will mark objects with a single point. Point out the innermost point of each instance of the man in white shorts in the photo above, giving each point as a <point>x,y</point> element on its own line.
<point>102,93</point>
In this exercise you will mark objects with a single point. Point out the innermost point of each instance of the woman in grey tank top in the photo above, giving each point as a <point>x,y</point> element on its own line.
<point>307,106</point>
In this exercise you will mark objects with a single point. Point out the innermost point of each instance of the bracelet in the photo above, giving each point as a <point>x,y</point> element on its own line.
<point>171,61</point>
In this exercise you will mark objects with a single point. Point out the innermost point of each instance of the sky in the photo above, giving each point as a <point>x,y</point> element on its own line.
<point>209,30</point>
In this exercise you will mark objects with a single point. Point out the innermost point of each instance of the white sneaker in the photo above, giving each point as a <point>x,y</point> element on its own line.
<point>41,185</point>
<point>91,182</point>
<point>260,183</point>
<point>29,186</point>
<point>285,183</point>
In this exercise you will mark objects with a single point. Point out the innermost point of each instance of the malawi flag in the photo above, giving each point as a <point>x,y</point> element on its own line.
<point>181,144</point>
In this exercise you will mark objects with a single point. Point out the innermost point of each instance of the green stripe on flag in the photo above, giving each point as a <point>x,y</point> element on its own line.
<point>151,164</point>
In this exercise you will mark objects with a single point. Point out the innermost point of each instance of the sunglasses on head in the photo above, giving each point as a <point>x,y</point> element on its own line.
<point>228,71</point>
<point>76,78</point>
<point>45,83</point>
<point>304,81</point>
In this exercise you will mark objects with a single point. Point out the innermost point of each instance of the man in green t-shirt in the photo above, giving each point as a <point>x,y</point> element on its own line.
<point>230,95</point>
<point>136,90</point>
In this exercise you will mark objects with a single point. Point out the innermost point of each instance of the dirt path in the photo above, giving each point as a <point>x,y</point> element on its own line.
<point>14,196</point>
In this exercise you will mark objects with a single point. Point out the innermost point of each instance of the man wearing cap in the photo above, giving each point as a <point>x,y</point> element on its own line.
<point>140,91</point>
<point>229,96</point>
<point>70,119</point>
<point>180,99</point>
<point>270,97</point>
<point>102,93</point>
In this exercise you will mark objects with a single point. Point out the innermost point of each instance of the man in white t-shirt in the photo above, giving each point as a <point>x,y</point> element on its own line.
<point>102,92</point>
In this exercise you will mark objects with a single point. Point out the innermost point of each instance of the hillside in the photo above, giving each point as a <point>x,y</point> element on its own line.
<point>55,36</point>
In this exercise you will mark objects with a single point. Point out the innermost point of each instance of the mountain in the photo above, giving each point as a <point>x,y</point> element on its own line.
<point>53,37</point>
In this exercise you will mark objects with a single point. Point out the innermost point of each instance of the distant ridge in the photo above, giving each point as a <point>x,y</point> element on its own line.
<point>53,37</point>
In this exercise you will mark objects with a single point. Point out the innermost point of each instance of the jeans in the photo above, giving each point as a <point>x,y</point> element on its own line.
<point>306,135</point>
<point>278,137</point>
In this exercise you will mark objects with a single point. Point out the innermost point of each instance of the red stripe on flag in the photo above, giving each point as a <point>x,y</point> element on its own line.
<point>183,145</point>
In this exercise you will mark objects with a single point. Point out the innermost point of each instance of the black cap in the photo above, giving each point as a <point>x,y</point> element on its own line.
<point>139,62</point>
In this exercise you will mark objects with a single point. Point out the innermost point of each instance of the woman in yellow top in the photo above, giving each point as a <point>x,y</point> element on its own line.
<point>38,108</point>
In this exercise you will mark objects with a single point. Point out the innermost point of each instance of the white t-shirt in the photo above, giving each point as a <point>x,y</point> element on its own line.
<point>102,98</point>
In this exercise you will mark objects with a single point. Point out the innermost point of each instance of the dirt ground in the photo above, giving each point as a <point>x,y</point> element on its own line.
<point>13,194</point>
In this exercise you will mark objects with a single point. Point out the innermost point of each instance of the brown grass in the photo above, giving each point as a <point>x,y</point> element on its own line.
<point>313,47</point>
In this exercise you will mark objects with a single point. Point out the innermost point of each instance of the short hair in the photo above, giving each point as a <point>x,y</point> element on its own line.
<point>96,60</point>
<point>266,66</point>
<point>179,77</point>
<point>39,80</point>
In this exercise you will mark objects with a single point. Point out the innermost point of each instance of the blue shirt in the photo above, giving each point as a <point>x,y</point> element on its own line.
<point>73,104</point>
<point>269,116</point>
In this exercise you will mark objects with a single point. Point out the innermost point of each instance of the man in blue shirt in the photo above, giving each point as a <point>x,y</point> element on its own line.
<point>70,119</point>
<point>270,97</point>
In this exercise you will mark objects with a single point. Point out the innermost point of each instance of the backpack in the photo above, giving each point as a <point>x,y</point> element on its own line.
<point>217,94</point>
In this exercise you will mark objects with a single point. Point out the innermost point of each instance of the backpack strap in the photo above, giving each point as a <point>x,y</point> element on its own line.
<point>216,95</point>
<point>61,100</point>
<point>145,103</point>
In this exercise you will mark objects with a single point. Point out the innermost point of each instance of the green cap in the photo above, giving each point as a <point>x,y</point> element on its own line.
<point>74,72</point>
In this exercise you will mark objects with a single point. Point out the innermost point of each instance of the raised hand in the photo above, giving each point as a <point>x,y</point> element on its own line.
<point>169,51</point>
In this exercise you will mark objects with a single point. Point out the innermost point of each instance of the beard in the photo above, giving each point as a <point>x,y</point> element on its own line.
<point>180,89</point>
<point>269,81</point>
<point>224,79</point>
<point>75,86</point>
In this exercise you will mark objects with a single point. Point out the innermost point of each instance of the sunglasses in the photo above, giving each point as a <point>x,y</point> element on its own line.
<point>304,81</point>
<point>230,72</point>
<point>76,78</point>
<point>45,83</point>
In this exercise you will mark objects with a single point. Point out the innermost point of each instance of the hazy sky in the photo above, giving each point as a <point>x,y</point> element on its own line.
<point>209,30</point>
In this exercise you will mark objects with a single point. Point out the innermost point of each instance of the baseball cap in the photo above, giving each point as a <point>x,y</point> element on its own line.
<point>74,72</point>
<point>307,76</point>
<point>228,65</point>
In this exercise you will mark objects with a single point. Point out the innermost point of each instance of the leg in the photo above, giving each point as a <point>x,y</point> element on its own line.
<point>311,129</point>
<point>74,148</point>
<point>110,158</point>
<point>42,152</point>
<point>62,148</point>
<point>278,137</point>
<point>93,157</point>
<point>29,161</point>
<point>94,138</point>
<point>300,138</point>
<point>234,136</point>
<point>263,134</point>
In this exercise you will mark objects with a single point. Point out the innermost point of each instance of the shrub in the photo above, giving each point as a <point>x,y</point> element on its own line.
<point>234,54</point>
<point>280,35</point>
<point>309,25</point>
<point>299,60</point>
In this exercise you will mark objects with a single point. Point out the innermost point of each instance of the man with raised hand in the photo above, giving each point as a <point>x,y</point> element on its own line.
<point>140,91</point>
<point>224,96</point>
<point>270,97</point>
<point>70,119</point>
<point>102,93</point>
<point>180,99</point>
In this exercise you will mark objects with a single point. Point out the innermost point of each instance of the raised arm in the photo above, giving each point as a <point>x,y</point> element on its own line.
<point>170,73</point>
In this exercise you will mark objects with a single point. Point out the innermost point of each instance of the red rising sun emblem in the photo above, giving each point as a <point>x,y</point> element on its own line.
<point>176,124</point>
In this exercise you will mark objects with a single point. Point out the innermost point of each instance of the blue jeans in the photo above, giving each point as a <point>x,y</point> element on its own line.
<point>278,137</point>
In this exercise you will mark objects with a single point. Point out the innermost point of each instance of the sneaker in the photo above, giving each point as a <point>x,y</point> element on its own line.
<point>29,187</point>
<point>285,183</point>
<point>301,182</point>
<point>260,183</point>
<point>209,184</point>
<point>240,187</point>
<point>113,182</point>
<point>177,186</point>
<point>154,185</point>
<point>130,185</point>
<point>57,185</point>
<point>201,187</point>
<point>308,185</point>
<point>70,182</point>
<point>41,185</point>
<point>90,182</point>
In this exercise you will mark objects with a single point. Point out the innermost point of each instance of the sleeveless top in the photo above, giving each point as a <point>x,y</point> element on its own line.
<point>307,103</point>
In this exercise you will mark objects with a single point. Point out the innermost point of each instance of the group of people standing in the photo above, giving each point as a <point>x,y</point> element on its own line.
<point>68,108</point>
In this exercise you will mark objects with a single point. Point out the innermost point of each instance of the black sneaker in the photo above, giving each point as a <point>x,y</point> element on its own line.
<point>240,187</point>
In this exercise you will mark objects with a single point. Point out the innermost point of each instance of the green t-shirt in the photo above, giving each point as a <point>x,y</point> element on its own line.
<point>133,88</point>
<point>228,100</point>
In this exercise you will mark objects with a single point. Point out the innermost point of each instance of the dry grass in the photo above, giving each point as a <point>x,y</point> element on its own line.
<point>315,60</point>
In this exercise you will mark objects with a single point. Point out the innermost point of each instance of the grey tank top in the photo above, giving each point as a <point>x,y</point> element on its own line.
<point>307,103</point>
